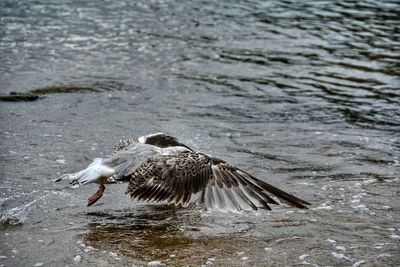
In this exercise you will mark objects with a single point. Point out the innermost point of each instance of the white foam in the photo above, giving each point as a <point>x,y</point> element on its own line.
<point>77,259</point>
<point>397,237</point>
<point>323,207</point>
<point>358,263</point>
<point>369,181</point>
<point>89,248</point>
<point>303,257</point>
<point>155,263</point>
<point>113,254</point>
<point>340,256</point>
<point>362,206</point>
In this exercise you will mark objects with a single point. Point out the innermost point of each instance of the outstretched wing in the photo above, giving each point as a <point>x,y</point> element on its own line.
<point>182,177</point>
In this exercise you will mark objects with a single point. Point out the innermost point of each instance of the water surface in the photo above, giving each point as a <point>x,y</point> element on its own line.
<point>303,94</point>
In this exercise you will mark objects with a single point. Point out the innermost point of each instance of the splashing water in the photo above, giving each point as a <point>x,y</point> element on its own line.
<point>18,215</point>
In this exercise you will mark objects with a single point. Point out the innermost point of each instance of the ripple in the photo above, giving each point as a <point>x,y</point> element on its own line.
<point>303,93</point>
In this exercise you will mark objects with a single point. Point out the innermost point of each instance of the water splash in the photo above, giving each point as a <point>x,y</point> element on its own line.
<point>18,215</point>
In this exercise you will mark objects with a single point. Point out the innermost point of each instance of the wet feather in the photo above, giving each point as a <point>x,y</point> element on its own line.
<point>158,167</point>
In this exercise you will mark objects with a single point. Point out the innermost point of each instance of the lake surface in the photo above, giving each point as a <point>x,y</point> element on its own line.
<point>303,94</point>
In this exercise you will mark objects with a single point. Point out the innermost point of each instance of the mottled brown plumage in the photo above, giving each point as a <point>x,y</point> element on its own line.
<point>160,168</point>
<point>178,178</point>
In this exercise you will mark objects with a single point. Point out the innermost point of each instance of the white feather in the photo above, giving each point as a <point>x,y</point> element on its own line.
<point>142,139</point>
<point>94,173</point>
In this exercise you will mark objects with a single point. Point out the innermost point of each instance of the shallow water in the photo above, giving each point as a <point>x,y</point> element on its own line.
<point>305,95</point>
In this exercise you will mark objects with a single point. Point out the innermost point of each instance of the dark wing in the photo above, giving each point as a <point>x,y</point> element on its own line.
<point>156,139</point>
<point>161,140</point>
<point>180,178</point>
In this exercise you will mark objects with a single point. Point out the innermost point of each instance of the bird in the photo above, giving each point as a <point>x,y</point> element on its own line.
<point>160,168</point>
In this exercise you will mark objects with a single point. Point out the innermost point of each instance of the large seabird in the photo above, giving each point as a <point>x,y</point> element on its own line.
<point>160,168</point>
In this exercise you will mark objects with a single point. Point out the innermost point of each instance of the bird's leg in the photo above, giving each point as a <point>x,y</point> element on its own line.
<point>96,196</point>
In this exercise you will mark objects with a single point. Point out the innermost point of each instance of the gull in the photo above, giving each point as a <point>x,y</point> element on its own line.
<point>159,168</point>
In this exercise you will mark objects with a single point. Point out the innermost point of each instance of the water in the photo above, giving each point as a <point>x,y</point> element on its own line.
<point>304,94</point>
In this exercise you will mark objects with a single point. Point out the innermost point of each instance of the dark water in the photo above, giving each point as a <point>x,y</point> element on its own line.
<point>304,94</point>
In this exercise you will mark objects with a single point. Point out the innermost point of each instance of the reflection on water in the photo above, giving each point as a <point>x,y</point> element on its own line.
<point>155,234</point>
<point>176,236</point>
<point>304,94</point>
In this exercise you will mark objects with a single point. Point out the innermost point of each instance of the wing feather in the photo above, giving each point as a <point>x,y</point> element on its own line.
<point>181,177</point>
<point>242,196</point>
<point>232,199</point>
<point>154,192</point>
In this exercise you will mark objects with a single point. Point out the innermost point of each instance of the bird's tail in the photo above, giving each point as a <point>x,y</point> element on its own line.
<point>96,171</point>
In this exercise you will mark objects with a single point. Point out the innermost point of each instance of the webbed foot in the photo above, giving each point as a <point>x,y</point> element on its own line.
<point>96,196</point>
